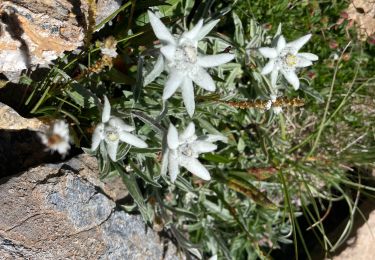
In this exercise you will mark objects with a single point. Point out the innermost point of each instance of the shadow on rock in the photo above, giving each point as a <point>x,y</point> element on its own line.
<point>22,149</point>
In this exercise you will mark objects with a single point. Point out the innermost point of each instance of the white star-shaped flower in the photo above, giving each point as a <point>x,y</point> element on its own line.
<point>57,137</point>
<point>183,62</point>
<point>184,150</point>
<point>285,58</point>
<point>113,130</point>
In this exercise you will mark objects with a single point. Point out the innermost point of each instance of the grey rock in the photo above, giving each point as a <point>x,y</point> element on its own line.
<point>54,212</point>
<point>106,7</point>
<point>10,119</point>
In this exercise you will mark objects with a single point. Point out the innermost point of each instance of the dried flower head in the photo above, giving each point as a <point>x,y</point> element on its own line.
<point>57,137</point>
<point>108,47</point>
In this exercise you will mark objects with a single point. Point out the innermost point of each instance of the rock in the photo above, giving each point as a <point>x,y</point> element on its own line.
<point>55,211</point>
<point>113,187</point>
<point>361,245</point>
<point>10,119</point>
<point>35,32</point>
<point>105,8</point>
<point>20,145</point>
<point>21,149</point>
<point>362,12</point>
<point>63,211</point>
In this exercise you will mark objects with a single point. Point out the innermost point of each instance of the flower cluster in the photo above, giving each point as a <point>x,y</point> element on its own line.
<point>181,59</point>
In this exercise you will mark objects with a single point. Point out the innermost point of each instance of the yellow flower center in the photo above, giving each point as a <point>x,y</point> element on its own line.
<point>291,60</point>
<point>112,136</point>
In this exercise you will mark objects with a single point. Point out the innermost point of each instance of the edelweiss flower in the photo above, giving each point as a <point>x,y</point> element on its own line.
<point>285,58</point>
<point>57,137</point>
<point>113,130</point>
<point>184,64</point>
<point>184,149</point>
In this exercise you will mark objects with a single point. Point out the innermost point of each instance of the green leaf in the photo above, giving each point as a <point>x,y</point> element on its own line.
<point>241,145</point>
<point>238,31</point>
<point>137,89</point>
<point>313,93</point>
<point>183,184</point>
<point>123,150</point>
<point>146,177</point>
<point>208,126</point>
<point>182,212</point>
<point>219,211</point>
<point>104,167</point>
<point>25,80</point>
<point>171,5</point>
<point>135,192</point>
<point>250,191</point>
<point>82,96</point>
<point>62,74</point>
<point>88,151</point>
<point>216,158</point>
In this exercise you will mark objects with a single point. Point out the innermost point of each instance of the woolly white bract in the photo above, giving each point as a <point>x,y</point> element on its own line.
<point>184,149</point>
<point>113,130</point>
<point>57,137</point>
<point>183,62</point>
<point>285,58</point>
